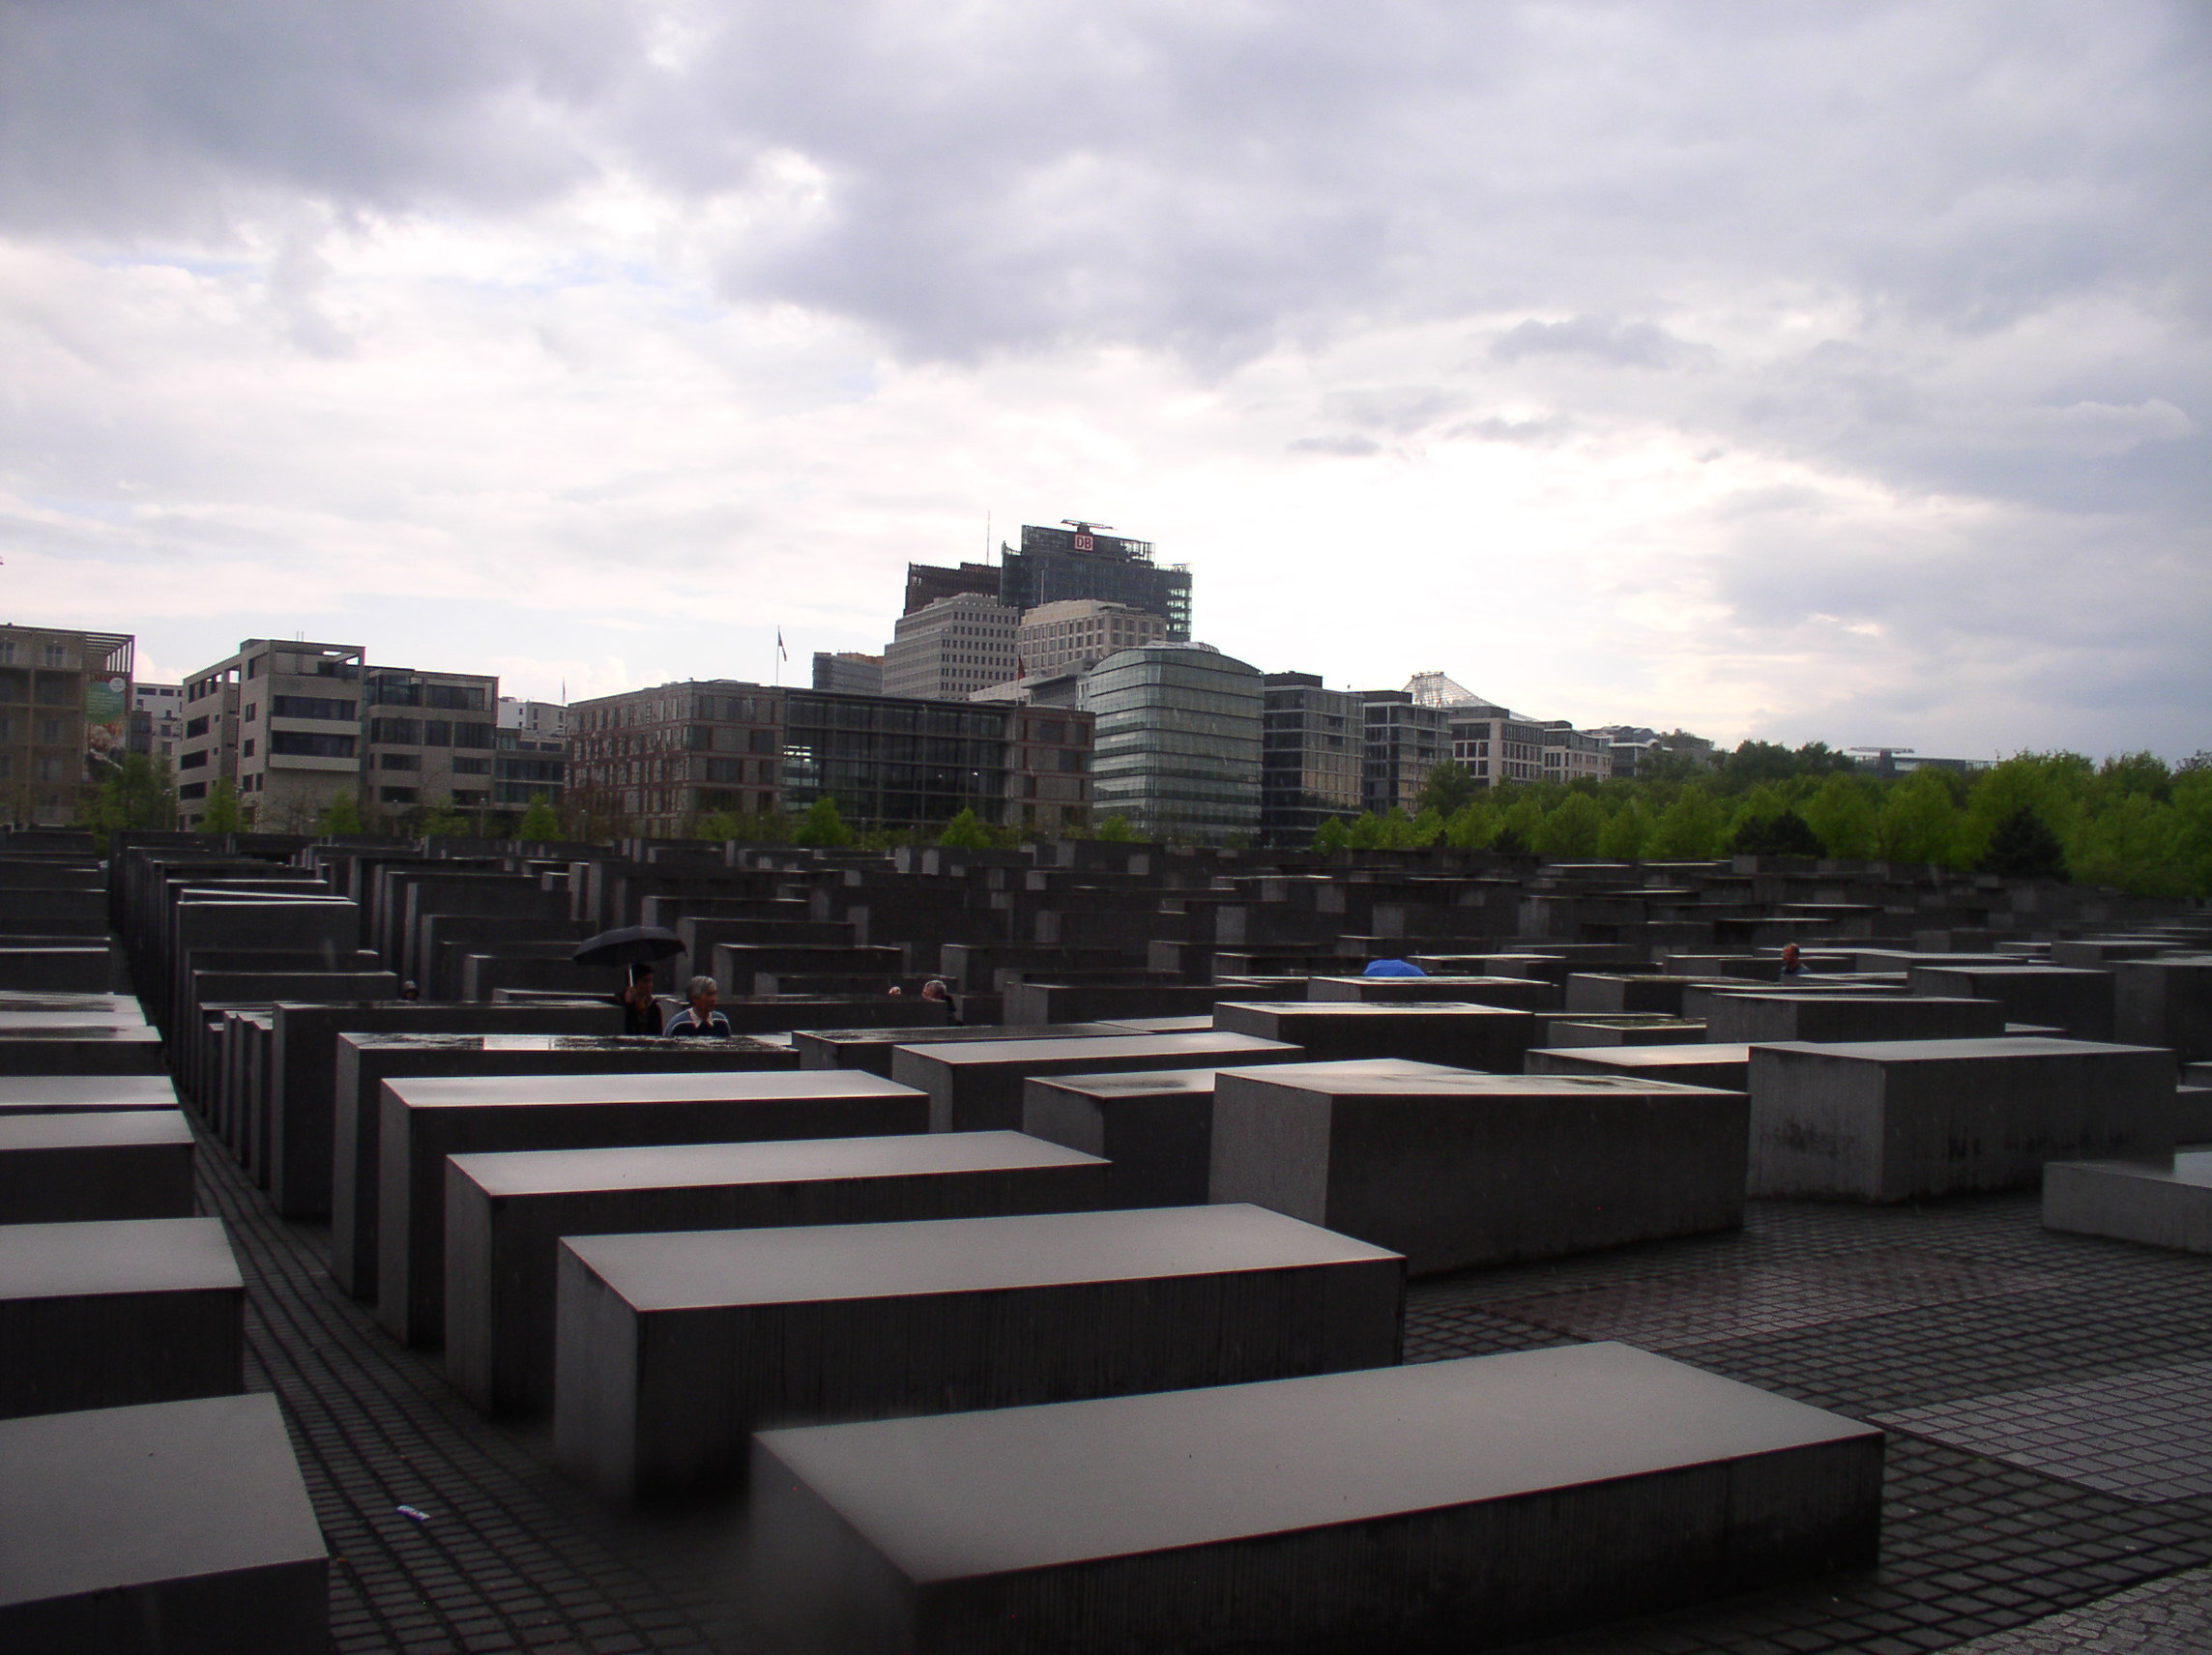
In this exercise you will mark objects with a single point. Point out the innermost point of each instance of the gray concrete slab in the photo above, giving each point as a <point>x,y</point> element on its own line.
<point>1520,993</point>
<point>2165,1002</point>
<point>1891,1120</point>
<point>1494,1038</point>
<point>1701,1063</point>
<point>1415,1508</point>
<point>871,1049</point>
<point>1153,1126</point>
<point>426,1121</point>
<point>1456,1169</point>
<point>122,1311</point>
<point>159,1529</point>
<point>977,1085</point>
<point>1618,1028</point>
<point>2158,1206</point>
<point>2077,1001</point>
<point>1739,1019</point>
<point>366,1061</point>
<point>77,1166</point>
<point>506,1214</point>
<point>302,1073</point>
<point>116,1050</point>
<point>45,1094</point>
<point>673,1348</point>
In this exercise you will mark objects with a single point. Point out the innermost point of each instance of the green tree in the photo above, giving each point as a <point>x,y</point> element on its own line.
<point>448,821</point>
<point>1784,835</point>
<point>1625,833</point>
<point>342,815</point>
<point>1428,829</point>
<point>823,828</point>
<point>1572,828</point>
<point>1518,825</point>
<point>1366,833</point>
<point>2022,846</point>
<point>1847,815</point>
<point>1447,787</point>
<point>1919,821</point>
<point>223,813</point>
<point>134,795</point>
<point>965,832</point>
<point>1473,826</point>
<point>1331,835</point>
<point>1692,827</point>
<point>1116,830</point>
<point>539,824</point>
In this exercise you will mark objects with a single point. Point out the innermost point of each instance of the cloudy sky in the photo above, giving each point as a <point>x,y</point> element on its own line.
<point>1800,370</point>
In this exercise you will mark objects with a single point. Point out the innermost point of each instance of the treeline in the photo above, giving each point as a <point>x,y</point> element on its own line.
<point>2131,822</point>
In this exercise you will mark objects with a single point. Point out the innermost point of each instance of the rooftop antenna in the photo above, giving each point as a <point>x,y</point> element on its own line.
<point>987,539</point>
<point>1083,528</point>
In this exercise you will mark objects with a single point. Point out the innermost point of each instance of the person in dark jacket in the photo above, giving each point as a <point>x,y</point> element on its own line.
<point>641,1013</point>
<point>700,1018</point>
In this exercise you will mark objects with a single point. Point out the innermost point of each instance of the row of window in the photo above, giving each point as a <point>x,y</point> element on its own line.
<point>17,686</point>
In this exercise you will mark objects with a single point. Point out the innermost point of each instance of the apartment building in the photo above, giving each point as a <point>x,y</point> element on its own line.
<point>1401,742</point>
<point>1494,745</point>
<point>65,699</point>
<point>1574,755</point>
<point>280,720</point>
<point>428,740</point>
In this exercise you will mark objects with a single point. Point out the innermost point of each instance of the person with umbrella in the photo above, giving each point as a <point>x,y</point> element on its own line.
<point>699,1018</point>
<point>636,946</point>
<point>641,1011</point>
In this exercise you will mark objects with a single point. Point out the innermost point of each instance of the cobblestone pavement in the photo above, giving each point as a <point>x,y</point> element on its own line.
<point>2042,1391</point>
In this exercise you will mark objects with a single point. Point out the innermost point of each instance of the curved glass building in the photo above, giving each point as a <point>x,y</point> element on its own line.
<point>1177,750</point>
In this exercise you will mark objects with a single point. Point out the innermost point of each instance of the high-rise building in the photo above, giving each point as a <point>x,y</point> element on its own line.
<point>429,738</point>
<point>1402,741</point>
<point>1054,566</point>
<point>850,671</point>
<point>1311,758</point>
<point>281,720</point>
<point>1178,742</point>
<point>65,714</point>
<point>658,759</point>
<point>1078,633</point>
<point>951,648</point>
<point>926,582</point>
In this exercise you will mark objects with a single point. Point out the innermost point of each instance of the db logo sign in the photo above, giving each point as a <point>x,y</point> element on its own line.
<point>1084,543</point>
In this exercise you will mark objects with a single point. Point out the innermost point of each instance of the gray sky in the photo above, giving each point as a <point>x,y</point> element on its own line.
<point>1805,371</point>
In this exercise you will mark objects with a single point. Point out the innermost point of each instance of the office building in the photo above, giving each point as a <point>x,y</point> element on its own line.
<point>65,717</point>
<point>658,759</point>
<point>1311,758</point>
<point>281,721</point>
<point>850,671</point>
<point>430,740</point>
<point>1056,565</point>
<point>1077,634</point>
<point>1574,755</point>
<point>1178,741</point>
<point>1401,742</point>
<point>1494,745</point>
<point>951,648</point>
<point>156,719</point>
<point>1633,745</point>
<point>926,582</point>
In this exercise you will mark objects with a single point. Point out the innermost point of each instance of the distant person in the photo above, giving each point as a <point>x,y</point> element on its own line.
<point>938,990</point>
<point>1792,965</point>
<point>1392,969</point>
<point>641,1013</point>
<point>700,1018</point>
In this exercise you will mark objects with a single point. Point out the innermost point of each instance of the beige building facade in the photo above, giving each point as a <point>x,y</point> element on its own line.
<point>65,710</point>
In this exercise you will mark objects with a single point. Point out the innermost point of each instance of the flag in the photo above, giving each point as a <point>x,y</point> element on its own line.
<point>781,652</point>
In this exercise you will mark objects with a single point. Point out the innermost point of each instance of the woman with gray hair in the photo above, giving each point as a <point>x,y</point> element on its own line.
<point>699,1018</point>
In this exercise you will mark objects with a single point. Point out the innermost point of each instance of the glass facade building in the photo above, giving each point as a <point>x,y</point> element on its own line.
<point>1178,742</point>
<point>1311,760</point>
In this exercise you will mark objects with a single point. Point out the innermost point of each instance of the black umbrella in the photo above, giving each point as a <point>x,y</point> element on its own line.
<point>628,945</point>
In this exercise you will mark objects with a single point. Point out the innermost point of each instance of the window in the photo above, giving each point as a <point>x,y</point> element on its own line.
<point>306,744</point>
<point>253,710</point>
<point>196,727</point>
<point>58,655</point>
<point>395,732</point>
<point>195,760</point>
<point>398,762</point>
<point>56,691</point>
<point>192,790</point>
<point>49,730</point>
<point>437,733</point>
<point>474,735</point>
<point>308,707</point>
<point>395,795</point>
<point>472,766</point>
<point>245,748</point>
<point>455,697</point>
